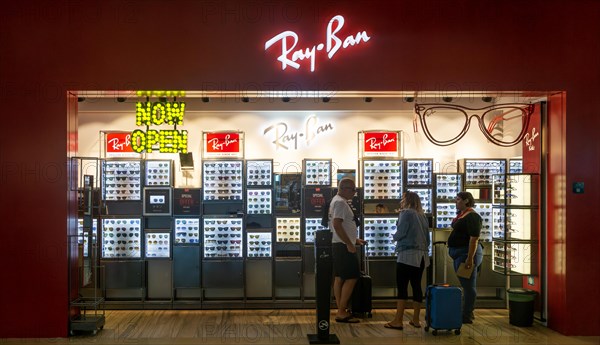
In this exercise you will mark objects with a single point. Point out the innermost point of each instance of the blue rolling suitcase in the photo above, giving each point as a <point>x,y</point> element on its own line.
<point>443,308</point>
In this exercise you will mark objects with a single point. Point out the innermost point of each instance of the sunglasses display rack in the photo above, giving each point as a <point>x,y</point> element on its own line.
<point>222,180</point>
<point>187,230</point>
<point>382,179</point>
<point>223,237</point>
<point>513,258</point>
<point>311,225</point>
<point>259,201</point>
<point>82,238</point>
<point>259,245</point>
<point>379,234</point>
<point>259,173</point>
<point>158,244</point>
<point>419,172</point>
<point>316,172</point>
<point>444,214</point>
<point>158,173</point>
<point>515,223</point>
<point>121,180</point>
<point>515,166</point>
<point>447,187</point>
<point>288,229</point>
<point>121,238</point>
<point>425,195</point>
<point>486,213</point>
<point>479,172</point>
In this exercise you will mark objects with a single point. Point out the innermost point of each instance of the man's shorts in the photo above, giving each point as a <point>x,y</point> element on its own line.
<point>345,264</point>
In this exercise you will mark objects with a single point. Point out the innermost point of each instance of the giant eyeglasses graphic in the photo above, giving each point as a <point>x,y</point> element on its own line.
<point>502,124</point>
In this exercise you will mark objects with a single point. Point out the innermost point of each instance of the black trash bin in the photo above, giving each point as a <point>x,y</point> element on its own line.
<point>521,303</point>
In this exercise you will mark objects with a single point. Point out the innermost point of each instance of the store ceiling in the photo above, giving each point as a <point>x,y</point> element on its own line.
<point>113,101</point>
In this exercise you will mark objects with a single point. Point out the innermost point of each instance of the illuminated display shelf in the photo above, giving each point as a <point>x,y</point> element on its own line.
<point>515,223</point>
<point>446,187</point>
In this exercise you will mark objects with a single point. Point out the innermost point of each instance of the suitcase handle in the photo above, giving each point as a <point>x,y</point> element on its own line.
<point>435,261</point>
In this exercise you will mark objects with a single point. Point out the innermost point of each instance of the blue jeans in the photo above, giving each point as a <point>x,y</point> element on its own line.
<point>459,254</point>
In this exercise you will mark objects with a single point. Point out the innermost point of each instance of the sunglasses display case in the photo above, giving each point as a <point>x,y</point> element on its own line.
<point>187,231</point>
<point>479,172</point>
<point>515,166</point>
<point>259,245</point>
<point>121,238</point>
<point>379,232</point>
<point>445,190</point>
<point>515,223</point>
<point>514,258</point>
<point>157,244</point>
<point>287,229</point>
<point>121,180</point>
<point>223,237</point>
<point>222,180</point>
<point>445,212</point>
<point>311,226</point>
<point>158,173</point>
<point>382,179</point>
<point>259,201</point>
<point>447,187</point>
<point>486,213</point>
<point>316,172</point>
<point>259,173</point>
<point>425,196</point>
<point>419,172</point>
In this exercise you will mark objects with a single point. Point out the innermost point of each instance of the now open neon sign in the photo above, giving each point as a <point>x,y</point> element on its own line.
<point>291,57</point>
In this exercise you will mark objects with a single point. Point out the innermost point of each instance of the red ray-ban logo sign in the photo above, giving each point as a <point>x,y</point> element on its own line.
<point>332,44</point>
<point>118,143</point>
<point>381,142</point>
<point>223,142</point>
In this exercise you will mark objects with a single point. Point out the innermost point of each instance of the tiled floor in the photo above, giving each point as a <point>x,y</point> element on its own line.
<point>292,326</point>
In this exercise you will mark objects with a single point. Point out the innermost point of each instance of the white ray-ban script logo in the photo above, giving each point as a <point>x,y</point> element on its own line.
<point>530,140</point>
<point>332,44</point>
<point>120,146</point>
<point>374,145</point>
<point>219,146</point>
<point>285,139</point>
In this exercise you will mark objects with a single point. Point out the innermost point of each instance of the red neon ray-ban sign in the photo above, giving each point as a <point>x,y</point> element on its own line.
<point>223,142</point>
<point>334,40</point>
<point>118,143</point>
<point>381,142</point>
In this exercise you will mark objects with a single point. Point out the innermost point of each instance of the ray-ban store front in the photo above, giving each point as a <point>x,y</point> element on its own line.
<point>198,182</point>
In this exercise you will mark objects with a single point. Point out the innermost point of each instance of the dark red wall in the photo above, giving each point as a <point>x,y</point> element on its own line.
<point>48,48</point>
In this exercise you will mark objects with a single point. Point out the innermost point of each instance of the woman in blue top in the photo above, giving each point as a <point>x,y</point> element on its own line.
<point>412,243</point>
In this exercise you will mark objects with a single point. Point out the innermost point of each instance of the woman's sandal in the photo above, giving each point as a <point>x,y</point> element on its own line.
<point>390,326</point>
<point>415,325</point>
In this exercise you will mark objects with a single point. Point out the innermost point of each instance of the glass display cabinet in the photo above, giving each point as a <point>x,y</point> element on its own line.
<point>515,223</point>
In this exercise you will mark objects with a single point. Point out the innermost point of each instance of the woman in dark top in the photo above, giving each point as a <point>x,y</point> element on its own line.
<point>463,246</point>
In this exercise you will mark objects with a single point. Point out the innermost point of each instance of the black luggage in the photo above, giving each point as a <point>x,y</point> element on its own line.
<point>361,300</point>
